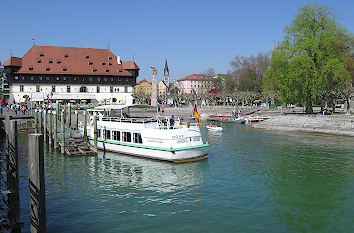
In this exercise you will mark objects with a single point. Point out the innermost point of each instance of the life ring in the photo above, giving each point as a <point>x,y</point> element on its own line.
<point>91,120</point>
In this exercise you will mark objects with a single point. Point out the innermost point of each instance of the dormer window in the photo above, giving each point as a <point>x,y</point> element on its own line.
<point>107,70</point>
<point>66,55</point>
<point>39,61</point>
<point>47,69</point>
<point>59,62</point>
<point>87,56</point>
<point>94,70</point>
<point>103,63</point>
<point>65,69</point>
<point>90,63</point>
<point>110,58</point>
<point>50,61</point>
<point>109,64</point>
<point>41,54</point>
<point>30,68</point>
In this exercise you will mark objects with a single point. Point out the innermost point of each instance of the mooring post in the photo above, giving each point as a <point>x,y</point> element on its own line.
<point>50,128</point>
<point>13,197</point>
<point>85,124</point>
<point>40,121</point>
<point>37,183</point>
<point>45,126</point>
<point>69,113</point>
<point>36,120</point>
<point>76,119</point>
<point>95,131</point>
<point>55,129</point>
<point>62,133</point>
<point>58,110</point>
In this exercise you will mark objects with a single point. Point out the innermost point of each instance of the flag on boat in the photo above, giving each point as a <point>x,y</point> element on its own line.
<point>196,114</point>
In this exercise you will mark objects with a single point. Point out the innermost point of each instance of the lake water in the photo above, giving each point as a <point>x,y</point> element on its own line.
<point>253,181</point>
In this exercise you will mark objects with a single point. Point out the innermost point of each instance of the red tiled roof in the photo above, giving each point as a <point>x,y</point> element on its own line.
<point>71,60</point>
<point>130,65</point>
<point>13,61</point>
<point>193,77</point>
<point>143,81</point>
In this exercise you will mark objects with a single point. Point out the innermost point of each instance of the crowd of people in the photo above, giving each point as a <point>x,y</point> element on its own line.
<point>14,109</point>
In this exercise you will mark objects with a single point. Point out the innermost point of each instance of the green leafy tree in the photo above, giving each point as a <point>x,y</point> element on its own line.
<point>312,58</point>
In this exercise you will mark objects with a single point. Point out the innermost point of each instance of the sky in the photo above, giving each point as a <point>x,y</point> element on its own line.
<point>193,35</point>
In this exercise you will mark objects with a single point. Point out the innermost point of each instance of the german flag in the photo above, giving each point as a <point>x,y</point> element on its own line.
<point>196,114</point>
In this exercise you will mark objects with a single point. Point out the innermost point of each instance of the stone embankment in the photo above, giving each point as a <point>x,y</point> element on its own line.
<point>287,120</point>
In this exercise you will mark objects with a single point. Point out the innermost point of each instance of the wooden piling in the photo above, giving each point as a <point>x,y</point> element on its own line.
<point>37,183</point>
<point>58,110</point>
<point>85,124</point>
<point>76,119</point>
<point>13,178</point>
<point>50,139</point>
<point>45,126</point>
<point>40,121</point>
<point>55,129</point>
<point>62,133</point>
<point>95,131</point>
<point>36,120</point>
<point>69,113</point>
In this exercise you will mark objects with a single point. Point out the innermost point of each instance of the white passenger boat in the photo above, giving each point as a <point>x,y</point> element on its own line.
<point>138,130</point>
<point>214,128</point>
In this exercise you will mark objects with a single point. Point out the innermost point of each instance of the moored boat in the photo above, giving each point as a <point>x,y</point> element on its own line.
<point>137,130</point>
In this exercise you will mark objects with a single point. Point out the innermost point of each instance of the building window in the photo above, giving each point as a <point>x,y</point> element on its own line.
<point>91,79</point>
<point>16,77</point>
<point>41,55</point>
<point>58,78</point>
<point>68,89</point>
<point>74,78</point>
<point>98,89</point>
<point>40,77</point>
<point>116,135</point>
<point>126,89</point>
<point>64,78</point>
<point>50,61</point>
<point>105,79</point>
<point>90,63</point>
<point>109,64</point>
<point>137,138</point>
<point>127,136</point>
<point>38,88</point>
<point>53,88</point>
<point>47,78</point>
<point>112,79</point>
<point>21,88</point>
<point>66,55</point>
<point>107,70</point>
<point>111,89</point>
<point>110,58</point>
<point>103,63</point>
<point>59,62</point>
<point>47,69</point>
<point>99,133</point>
<point>94,70</point>
<point>83,89</point>
<point>32,78</point>
<point>87,56</point>
<point>30,68</point>
<point>98,79</point>
<point>65,69</point>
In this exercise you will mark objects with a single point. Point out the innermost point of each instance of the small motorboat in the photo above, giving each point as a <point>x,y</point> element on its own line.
<point>214,128</point>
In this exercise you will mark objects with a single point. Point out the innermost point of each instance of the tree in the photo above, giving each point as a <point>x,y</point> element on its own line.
<point>249,71</point>
<point>311,59</point>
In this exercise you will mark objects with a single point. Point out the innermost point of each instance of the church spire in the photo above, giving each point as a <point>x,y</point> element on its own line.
<point>166,75</point>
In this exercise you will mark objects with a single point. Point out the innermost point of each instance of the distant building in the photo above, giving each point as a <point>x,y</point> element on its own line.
<point>194,83</point>
<point>69,73</point>
<point>4,86</point>
<point>143,88</point>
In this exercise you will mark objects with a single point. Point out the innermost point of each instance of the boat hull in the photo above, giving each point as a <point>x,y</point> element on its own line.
<point>178,155</point>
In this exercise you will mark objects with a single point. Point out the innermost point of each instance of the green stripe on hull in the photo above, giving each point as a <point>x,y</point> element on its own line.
<point>150,147</point>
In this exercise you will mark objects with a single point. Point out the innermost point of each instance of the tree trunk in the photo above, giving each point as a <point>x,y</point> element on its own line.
<point>348,105</point>
<point>309,109</point>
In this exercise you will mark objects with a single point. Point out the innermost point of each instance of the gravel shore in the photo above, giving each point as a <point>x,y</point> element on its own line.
<point>287,120</point>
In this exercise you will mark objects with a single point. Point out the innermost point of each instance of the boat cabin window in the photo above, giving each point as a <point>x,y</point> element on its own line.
<point>116,135</point>
<point>99,133</point>
<point>127,136</point>
<point>137,138</point>
<point>107,134</point>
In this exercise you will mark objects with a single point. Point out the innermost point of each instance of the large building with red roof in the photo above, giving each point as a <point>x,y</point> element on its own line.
<point>69,73</point>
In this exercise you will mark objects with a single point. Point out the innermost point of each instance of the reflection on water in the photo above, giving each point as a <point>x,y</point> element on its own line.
<point>145,174</point>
